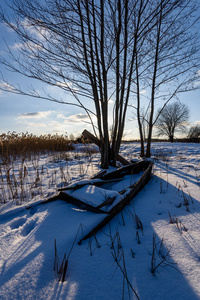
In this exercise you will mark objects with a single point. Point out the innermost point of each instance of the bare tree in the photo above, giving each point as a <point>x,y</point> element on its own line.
<point>102,50</point>
<point>86,48</point>
<point>194,133</point>
<point>169,61</point>
<point>173,118</point>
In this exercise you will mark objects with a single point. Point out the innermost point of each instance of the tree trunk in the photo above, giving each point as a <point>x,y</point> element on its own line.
<point>138,110</point>
<point>105,153</point>
<point>96,141</point>
<point>148,150</point>
<point>171,138</point>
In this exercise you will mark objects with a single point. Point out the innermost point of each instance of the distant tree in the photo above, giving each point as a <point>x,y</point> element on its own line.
<point>194,133</point>
<point>172,118</point>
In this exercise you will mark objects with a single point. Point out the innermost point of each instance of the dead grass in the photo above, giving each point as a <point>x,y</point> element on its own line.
<point>179,224</point>
<point>160,256</point>
<point>18,144</point>
<point>29,163</point>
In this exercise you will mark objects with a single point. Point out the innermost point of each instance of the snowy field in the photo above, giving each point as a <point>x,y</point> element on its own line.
<point>150,251</point>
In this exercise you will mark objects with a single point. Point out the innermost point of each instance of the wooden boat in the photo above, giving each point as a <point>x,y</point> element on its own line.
<point>108,193</point>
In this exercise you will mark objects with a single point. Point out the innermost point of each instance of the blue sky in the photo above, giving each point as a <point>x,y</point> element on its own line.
<point>25,114</point>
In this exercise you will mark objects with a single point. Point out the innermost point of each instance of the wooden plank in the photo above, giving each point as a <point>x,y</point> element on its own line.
<point>133,168</point>
<point>96,141</point>
<point>95,183</point>
<point>135,189</point>
<point>91,137</point>
<point>99,174</point>
<point>80,204</point>
<point>69,199</point>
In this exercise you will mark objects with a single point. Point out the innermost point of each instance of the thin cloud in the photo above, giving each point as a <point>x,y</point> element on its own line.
<point>143,91</point>
<point>67,86</point>
<point>38,31</point>
<point>61,116</point>
<point>35,115</point>
<point>77,118</point>
<point>27,45</point>
<point>197,123</point>
<point>6,87</point>
<point>197,84</point>
<point>17,46</point>
<point>198,73</point>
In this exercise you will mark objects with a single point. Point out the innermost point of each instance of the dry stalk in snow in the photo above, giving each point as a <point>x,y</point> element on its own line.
<point>61,269</point>
<point>160,256</point>
<point>125,275</point>
<point>179,224</point>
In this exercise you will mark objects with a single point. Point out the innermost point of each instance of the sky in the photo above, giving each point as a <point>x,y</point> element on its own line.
<point>25,114</point>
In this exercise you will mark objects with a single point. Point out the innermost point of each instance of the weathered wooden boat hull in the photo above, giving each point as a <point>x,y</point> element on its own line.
<point>114,176</point>
<point>133,168</point>
<point>127,194</point>
<point>134,190</point>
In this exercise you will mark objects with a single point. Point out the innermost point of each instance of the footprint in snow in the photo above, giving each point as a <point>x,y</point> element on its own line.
<point>17,223</point>
<point>28,227</point>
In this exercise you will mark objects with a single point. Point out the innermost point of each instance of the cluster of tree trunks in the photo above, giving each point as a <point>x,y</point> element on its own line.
<point>96,141</point>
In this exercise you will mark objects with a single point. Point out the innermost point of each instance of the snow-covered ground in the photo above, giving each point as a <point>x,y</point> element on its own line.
<point>158,260</point>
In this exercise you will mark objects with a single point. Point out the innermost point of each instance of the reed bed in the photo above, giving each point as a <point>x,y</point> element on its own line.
<point>18,144</point>
<point>33,168</point>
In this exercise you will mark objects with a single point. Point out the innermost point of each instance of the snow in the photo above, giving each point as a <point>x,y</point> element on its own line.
<point>94,195</point>
<point>27,236</point>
